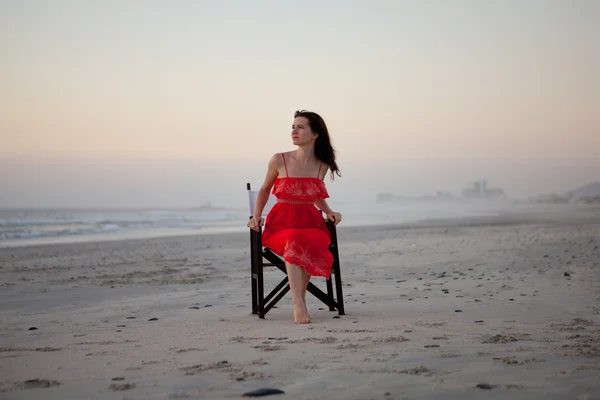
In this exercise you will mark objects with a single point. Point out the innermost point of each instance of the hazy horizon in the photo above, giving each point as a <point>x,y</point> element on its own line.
<point>166,183</point>
<point>157,104</point>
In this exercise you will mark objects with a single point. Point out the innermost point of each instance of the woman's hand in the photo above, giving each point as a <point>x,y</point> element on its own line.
<point>255,223</point>
<point>334,217</point>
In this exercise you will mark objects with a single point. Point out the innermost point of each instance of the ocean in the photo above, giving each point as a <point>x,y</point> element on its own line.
<point>45,226</point>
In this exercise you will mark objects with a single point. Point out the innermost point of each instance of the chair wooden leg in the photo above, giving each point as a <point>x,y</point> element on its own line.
<point>330,294</point>
<point>261,290</point>
<point>254,297</point>
<point>337,272</point>
<point>261,293</point>
<point>338,288</point>
<point>253,275</point>
<point>259,275</point>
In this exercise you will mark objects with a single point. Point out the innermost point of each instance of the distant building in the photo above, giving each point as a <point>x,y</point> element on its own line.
<point>480,189</point>
<point>477,189</point>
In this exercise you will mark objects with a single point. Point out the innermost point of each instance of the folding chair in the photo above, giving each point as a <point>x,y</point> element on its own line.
<point>261,304</point>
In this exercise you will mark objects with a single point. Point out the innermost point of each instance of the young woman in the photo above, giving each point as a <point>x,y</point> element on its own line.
<point>295,227</point>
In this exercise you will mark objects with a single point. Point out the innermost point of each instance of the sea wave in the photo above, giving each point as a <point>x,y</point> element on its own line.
<point>32,232</point>
<point>29,224</point>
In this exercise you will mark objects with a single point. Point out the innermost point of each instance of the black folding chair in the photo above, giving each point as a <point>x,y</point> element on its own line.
<point>261,304</point>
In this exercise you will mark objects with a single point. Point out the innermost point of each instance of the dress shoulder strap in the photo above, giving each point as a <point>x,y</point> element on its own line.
<point>284,165</point>
<point>319,173</point>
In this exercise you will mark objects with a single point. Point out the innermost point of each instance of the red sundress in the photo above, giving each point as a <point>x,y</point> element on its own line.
<point>295,229</point>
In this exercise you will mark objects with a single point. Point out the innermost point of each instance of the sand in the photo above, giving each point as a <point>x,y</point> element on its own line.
<point>433,310</point>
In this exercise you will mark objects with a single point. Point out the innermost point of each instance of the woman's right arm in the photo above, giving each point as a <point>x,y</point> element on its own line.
<point>265,190</point>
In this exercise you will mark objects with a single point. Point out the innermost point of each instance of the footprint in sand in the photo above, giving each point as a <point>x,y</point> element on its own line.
<point>116,387</point>
<point>39,383</point>
<point>266,347</point>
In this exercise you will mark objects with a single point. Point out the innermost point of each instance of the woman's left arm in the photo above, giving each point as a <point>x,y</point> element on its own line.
<point>323,206</point>
<point>333,216</point>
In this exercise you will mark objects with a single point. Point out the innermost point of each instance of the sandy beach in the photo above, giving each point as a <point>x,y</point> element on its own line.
<point>505,307</point>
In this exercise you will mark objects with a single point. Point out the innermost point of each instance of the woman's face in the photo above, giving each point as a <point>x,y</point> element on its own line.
<point>301,132</point>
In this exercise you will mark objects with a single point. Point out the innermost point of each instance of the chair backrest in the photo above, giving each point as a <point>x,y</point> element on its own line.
<point>252,196</point>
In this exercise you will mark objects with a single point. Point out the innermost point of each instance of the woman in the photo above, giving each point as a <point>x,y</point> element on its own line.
<point>295,228</point>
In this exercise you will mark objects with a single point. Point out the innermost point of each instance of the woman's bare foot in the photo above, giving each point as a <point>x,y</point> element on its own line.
<point>301,314</point>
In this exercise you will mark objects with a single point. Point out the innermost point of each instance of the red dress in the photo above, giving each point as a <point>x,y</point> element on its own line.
<point>295,229</point>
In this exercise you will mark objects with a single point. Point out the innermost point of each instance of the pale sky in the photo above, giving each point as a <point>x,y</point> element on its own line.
<point>171,103</point>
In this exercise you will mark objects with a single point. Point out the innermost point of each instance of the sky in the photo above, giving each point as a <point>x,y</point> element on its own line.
<point>148,103</point>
